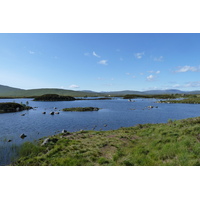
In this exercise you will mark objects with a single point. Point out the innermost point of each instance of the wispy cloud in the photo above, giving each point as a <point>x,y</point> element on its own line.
<point>187,69</point>
<point>103,62</point>
<point>31,52</point>
<point>94,54</point>
<point>86,54</point>
<point>139,55</point>
<point>156,72</point>
<point>158,59</point>
<point>73,86</point>
<point>151,78</point>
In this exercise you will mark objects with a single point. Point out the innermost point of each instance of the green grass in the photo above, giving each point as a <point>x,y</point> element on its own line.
<point>191,100</point>
<point>176,143</point>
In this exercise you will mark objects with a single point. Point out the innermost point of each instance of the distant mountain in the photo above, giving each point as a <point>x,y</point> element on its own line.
<point>124,92</point>
<point>9,91</point>
<point>194,92</point>
<point>172,91</point>
<point>6,91</point>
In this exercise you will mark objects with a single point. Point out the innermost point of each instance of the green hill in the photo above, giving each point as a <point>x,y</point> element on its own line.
<point>6,91</point>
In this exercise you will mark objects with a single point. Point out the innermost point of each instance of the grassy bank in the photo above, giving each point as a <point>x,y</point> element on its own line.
<point>170,144</point>
<point>193,100</point>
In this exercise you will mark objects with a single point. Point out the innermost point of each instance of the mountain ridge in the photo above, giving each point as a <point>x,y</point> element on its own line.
<point>7,91</point>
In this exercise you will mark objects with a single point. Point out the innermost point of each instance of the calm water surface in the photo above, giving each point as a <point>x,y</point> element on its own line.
<point>114,113</point>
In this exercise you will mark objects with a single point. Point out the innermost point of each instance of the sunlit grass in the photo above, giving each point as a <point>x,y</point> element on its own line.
<point>170,144</point>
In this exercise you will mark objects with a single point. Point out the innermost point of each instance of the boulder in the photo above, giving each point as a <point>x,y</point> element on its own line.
<point>64,131</point>
<point>44,113</point>
<point>51,113</point>
<point>45,141</point>
<point>23,136</point>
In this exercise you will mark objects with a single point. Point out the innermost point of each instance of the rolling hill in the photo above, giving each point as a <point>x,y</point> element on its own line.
<point>6,91</point>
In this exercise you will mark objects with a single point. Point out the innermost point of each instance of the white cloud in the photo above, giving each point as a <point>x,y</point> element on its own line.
<point>73,86</point>
<point>187,69</point>
<point>151,77</point>
<point>31,52</point>
<point>139,55</point>
<point>128,73</point>
<point>157,72</point>
<point>158,59</point>
<point>192,84</point>
<point>94,54</point>
<point>103,62</point>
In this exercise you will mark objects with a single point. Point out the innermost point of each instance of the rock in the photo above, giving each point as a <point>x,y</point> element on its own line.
<point>51,113</point>
<point>150,106</point>
<point>44,113</point>
<point>45,141</point>
<point>64,131</point>
<point>57,113</point>
<point>22,114</point>
<point>23,136</point>
<point>55,108</point>
<point>9,140</point>
<point>105,125</point>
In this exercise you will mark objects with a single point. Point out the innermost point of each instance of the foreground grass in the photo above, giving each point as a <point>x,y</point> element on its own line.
<point>171,144</point>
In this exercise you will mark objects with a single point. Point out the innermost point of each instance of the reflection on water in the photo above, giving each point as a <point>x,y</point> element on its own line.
<point>113,114</point>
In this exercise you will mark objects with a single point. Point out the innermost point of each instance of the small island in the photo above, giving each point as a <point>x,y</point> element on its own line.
<point>81,109</point>
<point>54,97</point>
<point>13,107</point>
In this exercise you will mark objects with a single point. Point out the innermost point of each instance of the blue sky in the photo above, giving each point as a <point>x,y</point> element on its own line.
<point>100,62</point>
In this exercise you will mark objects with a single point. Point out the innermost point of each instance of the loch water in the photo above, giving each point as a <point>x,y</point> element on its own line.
<point>113,114</point>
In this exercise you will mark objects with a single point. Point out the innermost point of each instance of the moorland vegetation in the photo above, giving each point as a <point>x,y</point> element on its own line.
<point>176,143</point>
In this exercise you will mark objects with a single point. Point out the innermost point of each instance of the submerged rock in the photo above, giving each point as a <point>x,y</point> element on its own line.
<point>23,136</point>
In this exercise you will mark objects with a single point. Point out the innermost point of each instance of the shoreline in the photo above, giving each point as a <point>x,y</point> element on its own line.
<point>165,144</point>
